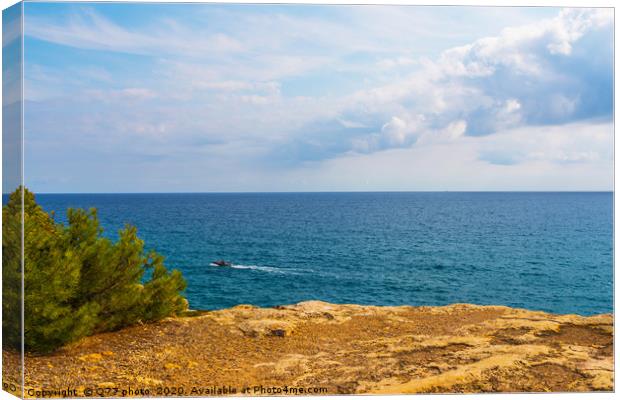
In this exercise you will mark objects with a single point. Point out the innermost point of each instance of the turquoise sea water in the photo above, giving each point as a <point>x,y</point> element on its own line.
<point>542,251</point>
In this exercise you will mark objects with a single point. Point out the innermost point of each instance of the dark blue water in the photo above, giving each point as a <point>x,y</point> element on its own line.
<point>543,251</point>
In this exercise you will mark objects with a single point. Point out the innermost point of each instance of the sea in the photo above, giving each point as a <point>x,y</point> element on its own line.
<point>535,250</point>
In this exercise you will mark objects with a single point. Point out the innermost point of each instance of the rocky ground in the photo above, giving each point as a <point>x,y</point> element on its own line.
<point>330,349</point>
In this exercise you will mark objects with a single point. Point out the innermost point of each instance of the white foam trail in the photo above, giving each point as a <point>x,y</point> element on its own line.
<point>254,267</point>
<point>258,267</point>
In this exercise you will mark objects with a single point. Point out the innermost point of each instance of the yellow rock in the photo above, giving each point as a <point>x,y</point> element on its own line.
<point>603,380</point>
<point>108,353</point>
<point>91,357</point>
<point>172,366</point>
<point>267,327</point>
<point>145,380</point>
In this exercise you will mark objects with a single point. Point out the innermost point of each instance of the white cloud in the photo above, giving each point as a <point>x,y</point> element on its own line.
<point>398,62</point>
<point>512,105</point>
<point>395,131</point>
<point>572,24</point>
<point>517,47</point>
<point>454,131</point>
<point>490,85</point>
<point>350,124</point>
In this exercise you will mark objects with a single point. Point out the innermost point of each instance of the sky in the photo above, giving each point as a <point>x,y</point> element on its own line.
<point>11,99</point>
<point>236,98</point>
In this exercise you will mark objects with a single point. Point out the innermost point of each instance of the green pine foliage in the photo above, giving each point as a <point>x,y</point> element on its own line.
<point>11,273</point>
<point>76,281</point>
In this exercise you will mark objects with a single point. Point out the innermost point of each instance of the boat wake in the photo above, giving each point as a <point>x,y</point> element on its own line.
<point>262,268</point>
<point>258,268</point>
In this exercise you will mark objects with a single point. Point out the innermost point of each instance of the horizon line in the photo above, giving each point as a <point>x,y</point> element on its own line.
<point>337,191</point>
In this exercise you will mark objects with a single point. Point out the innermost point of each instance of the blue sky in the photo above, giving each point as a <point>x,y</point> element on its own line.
<point>191,97</point>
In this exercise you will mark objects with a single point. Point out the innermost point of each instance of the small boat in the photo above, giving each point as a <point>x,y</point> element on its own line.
<point>221,263</point>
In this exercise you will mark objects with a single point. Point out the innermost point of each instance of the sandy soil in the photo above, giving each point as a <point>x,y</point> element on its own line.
<point>321,348</point>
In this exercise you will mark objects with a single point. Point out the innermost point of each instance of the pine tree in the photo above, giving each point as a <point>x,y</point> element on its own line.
<point>11,270</point>
<point>78,282</point>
